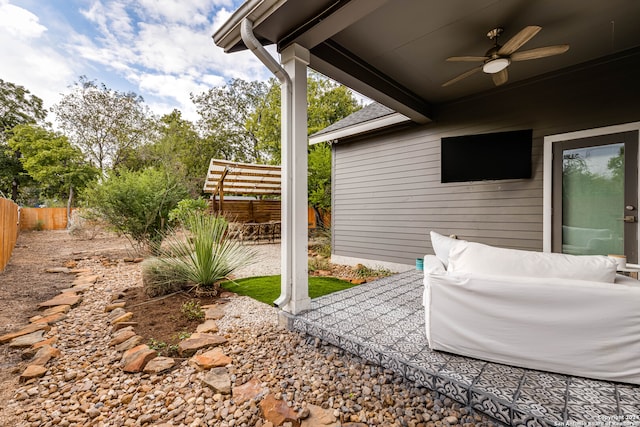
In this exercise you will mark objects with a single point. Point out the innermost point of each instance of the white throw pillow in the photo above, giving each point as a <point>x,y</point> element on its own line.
<point>442,246</point>
<point>471,257</point>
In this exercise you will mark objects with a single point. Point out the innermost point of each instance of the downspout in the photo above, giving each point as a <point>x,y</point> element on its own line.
<point>250,40</point>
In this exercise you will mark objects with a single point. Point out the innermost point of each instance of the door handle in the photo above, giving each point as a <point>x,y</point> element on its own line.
<point>629,218</point>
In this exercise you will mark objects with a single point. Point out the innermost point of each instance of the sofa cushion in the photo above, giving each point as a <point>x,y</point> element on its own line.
<point>442,246</point>
<point>471,257</point>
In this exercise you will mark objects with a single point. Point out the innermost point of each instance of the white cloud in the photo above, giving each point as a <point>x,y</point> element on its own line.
<point>19,22</point>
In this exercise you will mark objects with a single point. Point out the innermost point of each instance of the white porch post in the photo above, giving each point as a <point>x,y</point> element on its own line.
<point>295,275</point>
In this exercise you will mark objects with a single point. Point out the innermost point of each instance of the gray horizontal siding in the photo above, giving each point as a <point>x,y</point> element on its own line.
<point>387,194</point>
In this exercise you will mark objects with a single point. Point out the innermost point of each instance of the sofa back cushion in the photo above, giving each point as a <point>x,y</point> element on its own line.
<point>471,257</point>
<point>442,246</point>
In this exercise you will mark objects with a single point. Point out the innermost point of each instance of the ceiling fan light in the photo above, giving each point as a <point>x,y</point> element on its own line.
<point>495,65</point>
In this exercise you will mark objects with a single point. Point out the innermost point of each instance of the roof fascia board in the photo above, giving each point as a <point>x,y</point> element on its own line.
<point>330,22</point>
<point>228,36</point>
<point>368,126</point>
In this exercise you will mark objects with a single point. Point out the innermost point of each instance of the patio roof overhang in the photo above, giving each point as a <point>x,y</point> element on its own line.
<point>394,52</point>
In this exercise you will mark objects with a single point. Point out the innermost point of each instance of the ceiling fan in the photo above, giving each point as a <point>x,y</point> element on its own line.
<point>499,57</point>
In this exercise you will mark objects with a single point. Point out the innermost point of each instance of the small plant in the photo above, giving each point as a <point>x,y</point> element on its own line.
<point>157,345</point>
<point>362,272</point>
<point>192,310</point>
<point>39,225</point>
<point>319,263</point>
<point>186,207</point>
<point>183,335</point>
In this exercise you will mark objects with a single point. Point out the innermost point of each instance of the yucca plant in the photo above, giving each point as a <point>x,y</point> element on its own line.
<point>203,254</point>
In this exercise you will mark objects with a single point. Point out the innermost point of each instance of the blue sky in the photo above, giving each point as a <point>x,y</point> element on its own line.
<point>160,49</point>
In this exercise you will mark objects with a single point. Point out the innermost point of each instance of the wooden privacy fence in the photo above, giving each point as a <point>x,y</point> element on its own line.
<point>9,229</point>
<point>43,218</point>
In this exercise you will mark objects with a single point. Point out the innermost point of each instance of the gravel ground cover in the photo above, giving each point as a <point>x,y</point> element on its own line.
<point>86,385</point>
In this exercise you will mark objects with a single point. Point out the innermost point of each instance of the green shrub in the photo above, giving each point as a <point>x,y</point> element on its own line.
<point>159,279</point>
<point>180,214</point>
<point>137,204</point>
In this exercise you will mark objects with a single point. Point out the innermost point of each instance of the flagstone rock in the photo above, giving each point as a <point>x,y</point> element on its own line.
<point>27,340</point>
<point>114,314</point>
<point>208,326</point>
<point>24,331</point>
<point>123,318</point>
<point>218,380</point>
<point>319,417</point>
<point>196,341</point>
<point>54,270</point>
<point>51,318</point>
<point>123,325</point>
<point>49,341</point>
<point>33,371</point>
<point>78,288</point>
<point>159,364</point>
<point>57,309</point>
<point>114,305</point>
<point>67,298</point>
<point>129,343</point>
<point>277,411</point>
<point>88,279</point>
<point>121,336</point>
<point>213,313</point>
<point>250,390</point>
<point>44,354</point>
<point>135,359</point>
<point>211,359</point>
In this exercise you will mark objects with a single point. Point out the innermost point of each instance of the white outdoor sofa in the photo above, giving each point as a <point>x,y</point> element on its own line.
<point>552,312</point>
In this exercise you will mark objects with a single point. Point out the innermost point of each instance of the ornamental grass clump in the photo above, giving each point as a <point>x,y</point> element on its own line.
<point>197,258</point>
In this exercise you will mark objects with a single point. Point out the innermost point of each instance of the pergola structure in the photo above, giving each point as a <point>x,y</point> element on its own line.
<point>247,179</point>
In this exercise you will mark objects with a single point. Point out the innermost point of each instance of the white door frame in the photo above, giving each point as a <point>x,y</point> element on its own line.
<point>548,169</point>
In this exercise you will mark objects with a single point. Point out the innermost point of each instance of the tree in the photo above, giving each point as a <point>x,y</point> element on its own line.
<point>226,119</point>
<point>105,124</point>
<point>51,161</point>
<point>137,203</point>
<point>17,106</point>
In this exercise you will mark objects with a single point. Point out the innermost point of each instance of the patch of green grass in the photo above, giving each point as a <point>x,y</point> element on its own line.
<point>267,288</point>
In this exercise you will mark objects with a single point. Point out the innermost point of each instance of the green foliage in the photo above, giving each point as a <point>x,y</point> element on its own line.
<point>319,263</point>
<point>137,204</point>
<point>202,258</point>
<point>267,288</point>
<point>106,124</point>
<point>158,278</point>
<point>362,271</point>
<point>320,176</point>
<point>191,310</point>
<point>39,225</point>
<point>186,207</point>
<point>17,107</point>
<point>51,161</point>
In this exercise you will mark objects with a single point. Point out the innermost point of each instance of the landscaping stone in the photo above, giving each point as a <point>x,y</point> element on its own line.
<point>114,305</point>
<point>49,341</point>
<point>123,318</point>
<point>122,325</point>
<point>33,371</point>
<point>24,331</point>
<point>51,318</point>
<point>159,364</point>
<point>218,380</point>
<point>130,343</point>
<point>195,342</point>
<point>66,298</point>
<point>78,288</point>
<point>44,354</point>
<point>209,325</point>
<point>319,417</point>
<point>27,340</point>
<point>250,390</point>
<point>84,279</point>
<point>135,359</point>
<point>64,308</point>
<point>121,336</point>
<point>64,270</point>
<point>277,411</point>
<point>211,359</point>
<point>213,312</point>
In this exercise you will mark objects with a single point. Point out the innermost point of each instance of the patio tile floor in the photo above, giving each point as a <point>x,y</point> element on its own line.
<point>383,322</point>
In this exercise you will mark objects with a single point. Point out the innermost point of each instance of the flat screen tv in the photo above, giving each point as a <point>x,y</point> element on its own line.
<point>491,156</point>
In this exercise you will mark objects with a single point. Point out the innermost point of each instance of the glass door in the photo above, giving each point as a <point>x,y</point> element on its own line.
<point>595,196</point>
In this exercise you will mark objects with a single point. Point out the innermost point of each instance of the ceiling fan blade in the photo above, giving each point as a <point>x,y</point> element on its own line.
<point>467,58</point>
<point>462,76</point>
<point>500,77</point>
<point>518,40</point>
<point>540,52</point>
